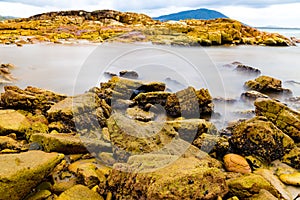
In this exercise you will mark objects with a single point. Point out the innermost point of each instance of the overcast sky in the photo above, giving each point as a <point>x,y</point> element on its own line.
<point>283,13</point>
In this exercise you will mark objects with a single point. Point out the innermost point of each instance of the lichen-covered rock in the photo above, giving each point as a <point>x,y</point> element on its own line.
<point>21,172</point>
<point>80,113</point>
<point>248,185</point>
<point>186,178</point>
<point>293,158</point>
<point>236,163</point>
<point>282,116</point>
<point>79,192</point>
<point>260,137</point>
<point>266,84</point>
<point>189,103</point>
<point>30,98</point>
<point>68,143</point>
<point>12,121</point>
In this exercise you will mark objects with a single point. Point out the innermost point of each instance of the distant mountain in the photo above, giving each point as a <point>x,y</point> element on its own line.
<point>192,14</point>
<point>5,17</point>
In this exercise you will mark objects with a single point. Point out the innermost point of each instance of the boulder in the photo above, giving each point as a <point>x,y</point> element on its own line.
<point>80,113</point>
<point>248,185</point>
<point>266,84</point>
<point>183,179</point>
<point>22,172</point>
<point>279,114</point>
<point>12,121</point>
<point>258,136</point>
<point>189,103</point>
<point>69,143</point>
<point>79,192</point>
<point>30,98</point>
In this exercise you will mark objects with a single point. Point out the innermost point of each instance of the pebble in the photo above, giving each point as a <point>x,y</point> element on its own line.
<point>236,163</point>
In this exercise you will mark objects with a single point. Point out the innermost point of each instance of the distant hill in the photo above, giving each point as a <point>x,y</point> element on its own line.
<point>5,17</point>
<point>192,14</point>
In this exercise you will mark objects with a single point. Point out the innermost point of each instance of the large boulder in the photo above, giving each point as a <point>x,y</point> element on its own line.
<point>266,84</point>
<point>12,121</point>
<point>22,172</point>
<point>283,117</point>
<point>258,136</point>
<point>30,98</point>
<point>185,178</point>
<point>80,113</point>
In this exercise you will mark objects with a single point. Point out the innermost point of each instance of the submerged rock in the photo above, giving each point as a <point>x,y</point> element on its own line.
<point>186,178</point>
<point>282,116</point>
<point>260,137</point>
<point>267,84</point>
<point>21,172</point>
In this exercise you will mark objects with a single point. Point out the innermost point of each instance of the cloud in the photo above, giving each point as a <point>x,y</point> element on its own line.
<point>149,4</point>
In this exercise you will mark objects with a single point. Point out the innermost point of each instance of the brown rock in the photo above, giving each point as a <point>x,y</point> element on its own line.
<point>236,163</point>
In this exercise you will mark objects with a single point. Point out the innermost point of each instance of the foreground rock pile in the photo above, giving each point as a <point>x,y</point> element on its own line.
<point>129,139</point>
<point>110,25</point>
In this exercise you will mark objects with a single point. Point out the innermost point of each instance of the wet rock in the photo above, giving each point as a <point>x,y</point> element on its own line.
<point>12,121</point>
<point>249,185</point>
<point>79,192</point>
<point>266,84</point>
<point>282,116</point>
<point>270,42</point>
<point>247,69</point>
<point>80,113</point>
<point>68,143</point>
<point>172,182</point>
<point>129,74</point>
<point>236,163</point>
<point>29,99</point>
<point>253,95</point>
<point>293,158</point>
<point>260,137</point>
<point>189,103</point>
<point>22,172</point>
<point>291,179</point>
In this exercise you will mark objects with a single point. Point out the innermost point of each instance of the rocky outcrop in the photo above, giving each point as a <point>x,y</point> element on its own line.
<point>266,84</point>
<point>282,116</point>
<point>197,180</point>
<point>21,172</point>
<point>260,137</point>
<point>29,99</point>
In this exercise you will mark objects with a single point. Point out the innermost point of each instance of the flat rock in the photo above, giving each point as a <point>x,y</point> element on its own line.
<point>68,143</point>
<point>21,172</point>
<point>12,121</point>
<point>79,192</point>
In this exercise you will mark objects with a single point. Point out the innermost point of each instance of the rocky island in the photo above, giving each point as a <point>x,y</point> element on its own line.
<point>110,25</point>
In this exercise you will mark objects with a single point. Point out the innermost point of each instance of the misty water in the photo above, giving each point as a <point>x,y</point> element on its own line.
<point>73,69</point>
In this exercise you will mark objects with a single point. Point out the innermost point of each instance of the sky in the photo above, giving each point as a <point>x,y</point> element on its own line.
<point>280,13</point>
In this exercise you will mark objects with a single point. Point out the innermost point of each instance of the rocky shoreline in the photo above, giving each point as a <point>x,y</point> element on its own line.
<point>130,139</point>
<point>114,26</point>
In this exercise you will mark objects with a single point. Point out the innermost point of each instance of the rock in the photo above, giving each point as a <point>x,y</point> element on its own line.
<point>80,113</point>
<point>22,172</point>
<point>249,185</point>
<point>266,84</point>
<point>247,69</point>
<point>143,99</point>
<point>293,158</point>
<point>175,181</point>
<point>236,163</point>
<point>291,179</point>
<point>253,95</point>
<point>260,137</point>
<point>139,114</point>
<point>68,143</point>
<point>29,99</point>
<point>263,194</point>
<point>109,74</point>
<point>79,192</point>
<point>295,40</point>
<point>129,74</point>
<point>9,143</point>
<point>282,116</point>
<point>215,38</point>
<point>5,73</point>
<point>12,121</point>
<point>270,42</point>
<point>39,195</point>
<point>189,103</point>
